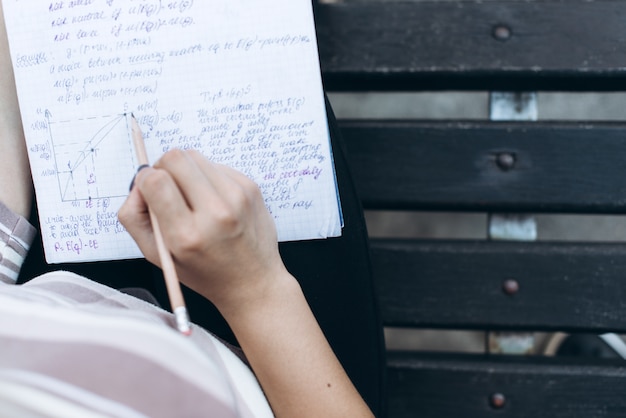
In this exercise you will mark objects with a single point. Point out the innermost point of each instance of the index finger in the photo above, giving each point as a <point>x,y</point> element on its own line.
<point>196,188</point>
<point>163,197</point>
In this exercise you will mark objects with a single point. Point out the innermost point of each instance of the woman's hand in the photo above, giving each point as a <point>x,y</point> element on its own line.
<point>223,241</point>
<point>215,224</point>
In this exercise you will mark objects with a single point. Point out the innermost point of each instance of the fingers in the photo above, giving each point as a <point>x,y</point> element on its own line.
<point>194,201</point>
<point>211,217</point>
<point>222,184</point>
<point>222,174</point>
<point>233,185</point>
<point>133,214</point>
<point>162,194</point>
<point>209,167</point>
<point>193,185</point>
<point>209,188</point>
<point>183,198</point>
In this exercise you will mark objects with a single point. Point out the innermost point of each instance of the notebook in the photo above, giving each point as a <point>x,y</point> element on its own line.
<point>238,80</point>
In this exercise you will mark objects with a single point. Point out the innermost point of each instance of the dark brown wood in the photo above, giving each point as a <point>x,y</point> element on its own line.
<point>459,284</point>
<point>557,167</point>
<point>551,45</point>
<point>573,45</point>
<point>463,386</point>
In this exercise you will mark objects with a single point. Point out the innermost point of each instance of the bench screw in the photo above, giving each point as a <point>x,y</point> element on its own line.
<point>510,286</point>
<point>497,401</point>
<point>501,32</point>
<point>505,161</point>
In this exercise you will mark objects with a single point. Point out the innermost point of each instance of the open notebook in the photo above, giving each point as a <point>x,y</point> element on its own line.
<point>238,80</point>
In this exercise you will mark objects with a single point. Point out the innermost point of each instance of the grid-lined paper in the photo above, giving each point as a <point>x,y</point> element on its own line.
<point>238,80</point>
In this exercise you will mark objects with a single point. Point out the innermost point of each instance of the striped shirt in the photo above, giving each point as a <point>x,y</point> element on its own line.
<point>16,235</point>
<point>70,347</point>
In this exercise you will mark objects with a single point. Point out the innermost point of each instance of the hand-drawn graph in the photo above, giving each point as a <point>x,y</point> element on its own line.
<point>95,165</point>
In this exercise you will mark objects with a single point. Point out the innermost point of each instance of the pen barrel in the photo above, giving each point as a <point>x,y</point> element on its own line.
<point>140,148</point>
<point>167,265</point>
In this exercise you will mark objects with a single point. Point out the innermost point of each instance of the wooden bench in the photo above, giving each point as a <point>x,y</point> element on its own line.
<point>497,167</point>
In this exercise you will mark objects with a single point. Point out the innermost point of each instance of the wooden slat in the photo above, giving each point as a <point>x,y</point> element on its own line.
<point>554,45</point>
<point>458,284</point>
<point>560,167</point>
<point>461,386</point>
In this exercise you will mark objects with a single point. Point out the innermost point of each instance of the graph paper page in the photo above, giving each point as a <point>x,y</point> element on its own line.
<point>238,80</point>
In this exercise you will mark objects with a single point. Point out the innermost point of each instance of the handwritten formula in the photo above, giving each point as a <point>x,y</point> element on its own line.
<point>229,78</point>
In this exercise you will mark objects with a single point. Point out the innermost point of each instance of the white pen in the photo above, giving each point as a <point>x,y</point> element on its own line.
<point>167,263</point>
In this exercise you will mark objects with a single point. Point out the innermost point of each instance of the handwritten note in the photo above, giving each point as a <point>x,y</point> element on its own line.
<point>238,80</point>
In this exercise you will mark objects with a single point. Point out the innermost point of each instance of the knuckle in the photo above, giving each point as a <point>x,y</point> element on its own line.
<point>228,219</point>
<point>247,196</point>
<point>252,190</point>
<point>171,157</point>
<point>156,180</point>
<point>123,214</point>
<point>196,154</point>
<point>189,240</point>
<point>239,197</point>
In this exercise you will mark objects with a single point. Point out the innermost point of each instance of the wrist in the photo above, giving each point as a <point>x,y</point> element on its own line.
<point>261,300</point>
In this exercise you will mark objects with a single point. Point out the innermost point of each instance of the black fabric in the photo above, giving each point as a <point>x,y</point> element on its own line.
<point>336,278</point>
<point>334,273</point>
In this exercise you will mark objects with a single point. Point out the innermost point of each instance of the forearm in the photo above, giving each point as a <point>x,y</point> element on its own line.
<point>291,357</point>
<point>223,240</point>
<point>15,179</point>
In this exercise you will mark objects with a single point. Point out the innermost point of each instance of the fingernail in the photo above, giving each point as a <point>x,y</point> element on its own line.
<point>132,182</point>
